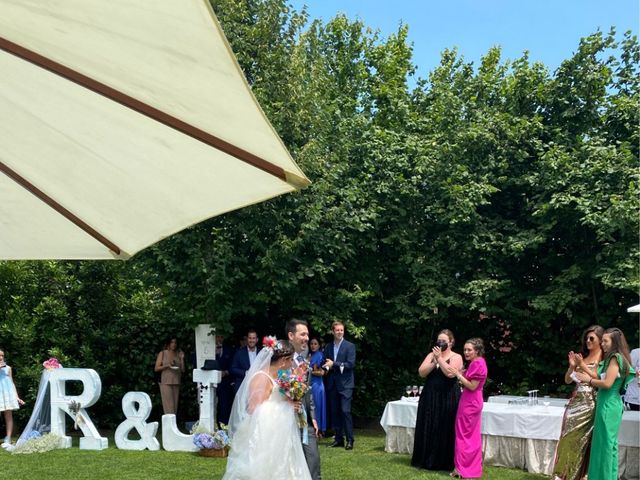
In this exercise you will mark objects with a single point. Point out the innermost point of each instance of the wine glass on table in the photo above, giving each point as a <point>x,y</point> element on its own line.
<point>414,390</point>
<point>407,389</point>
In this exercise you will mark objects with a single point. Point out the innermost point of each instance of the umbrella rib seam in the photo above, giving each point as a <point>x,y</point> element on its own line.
<point>23,182</point>
<point>142,108</point>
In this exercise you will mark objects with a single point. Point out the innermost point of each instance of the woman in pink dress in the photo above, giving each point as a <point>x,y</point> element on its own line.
<point>468,447</point>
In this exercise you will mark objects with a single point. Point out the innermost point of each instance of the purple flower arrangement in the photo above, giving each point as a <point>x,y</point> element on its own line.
<point>217,440</point>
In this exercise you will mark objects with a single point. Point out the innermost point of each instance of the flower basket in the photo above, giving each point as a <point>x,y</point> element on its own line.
<point>214,452</point>
<point>214,444</point>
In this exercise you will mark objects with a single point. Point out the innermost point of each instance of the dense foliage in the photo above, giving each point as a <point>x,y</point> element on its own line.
<point>499,200</point>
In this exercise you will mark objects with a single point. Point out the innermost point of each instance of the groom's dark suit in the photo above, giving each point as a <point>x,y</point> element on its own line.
<point>340,387</point>
<point>311,453</point>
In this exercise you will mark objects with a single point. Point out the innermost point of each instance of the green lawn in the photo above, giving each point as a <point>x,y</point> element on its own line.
<point>367,461</point>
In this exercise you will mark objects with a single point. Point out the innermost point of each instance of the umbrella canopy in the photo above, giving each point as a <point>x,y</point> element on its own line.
<point>121,123</point>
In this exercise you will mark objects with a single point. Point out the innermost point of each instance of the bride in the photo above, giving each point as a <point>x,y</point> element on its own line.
<point>265,438</point>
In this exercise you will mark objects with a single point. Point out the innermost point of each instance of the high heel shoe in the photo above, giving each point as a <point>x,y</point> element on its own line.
<point>455,474</point>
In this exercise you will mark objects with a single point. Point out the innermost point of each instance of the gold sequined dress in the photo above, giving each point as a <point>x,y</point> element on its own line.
<point>572,453</point>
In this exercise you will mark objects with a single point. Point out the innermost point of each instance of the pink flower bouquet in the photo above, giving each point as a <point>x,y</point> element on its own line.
<point>51,364</point>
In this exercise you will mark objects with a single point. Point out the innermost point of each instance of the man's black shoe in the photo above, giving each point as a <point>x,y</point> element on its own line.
<point>349,446</point>
<point>336,444</point>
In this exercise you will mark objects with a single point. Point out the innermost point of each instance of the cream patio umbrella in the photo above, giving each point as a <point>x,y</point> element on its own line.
<point>121,123</point>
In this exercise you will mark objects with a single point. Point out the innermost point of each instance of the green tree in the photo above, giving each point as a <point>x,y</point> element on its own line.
<point>499,200</point>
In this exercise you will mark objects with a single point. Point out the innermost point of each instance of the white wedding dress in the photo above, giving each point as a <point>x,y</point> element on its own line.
<point>267,443</point>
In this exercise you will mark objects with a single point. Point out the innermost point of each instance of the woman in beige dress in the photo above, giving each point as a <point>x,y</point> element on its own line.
<point>170,363</point>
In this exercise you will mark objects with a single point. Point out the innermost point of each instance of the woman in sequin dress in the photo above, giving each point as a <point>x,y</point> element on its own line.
<point>572,453</point>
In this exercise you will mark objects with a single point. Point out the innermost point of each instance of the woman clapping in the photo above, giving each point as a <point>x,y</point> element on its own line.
<point>434,437</point>
<point>317,386</point>
<point>614,373</point>
<point>572,454</point>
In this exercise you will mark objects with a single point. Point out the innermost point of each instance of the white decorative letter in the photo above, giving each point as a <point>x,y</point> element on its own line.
<point>136,418</point>
<point>75,406</point>
<point>173,440</point>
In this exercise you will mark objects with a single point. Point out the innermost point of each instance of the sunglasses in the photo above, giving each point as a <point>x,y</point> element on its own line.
<point>591,339</point>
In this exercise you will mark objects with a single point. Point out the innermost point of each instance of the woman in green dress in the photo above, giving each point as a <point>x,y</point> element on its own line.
<point>572,454</point>
<point>614,373</point>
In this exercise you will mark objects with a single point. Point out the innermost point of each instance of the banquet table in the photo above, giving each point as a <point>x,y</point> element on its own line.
<point>515,436</point>
<point>554,402</point>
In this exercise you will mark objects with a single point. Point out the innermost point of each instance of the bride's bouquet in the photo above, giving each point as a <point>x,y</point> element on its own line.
<point>292,384</point>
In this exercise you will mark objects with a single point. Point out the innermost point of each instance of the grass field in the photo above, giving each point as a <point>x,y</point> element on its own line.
<point>368,460</point>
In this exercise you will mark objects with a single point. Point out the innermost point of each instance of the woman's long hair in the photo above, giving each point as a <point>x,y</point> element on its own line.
<point>598,331</point>
<point>619,345</point>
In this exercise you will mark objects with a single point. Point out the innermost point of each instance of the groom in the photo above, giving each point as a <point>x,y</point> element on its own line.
<point>298,334</point>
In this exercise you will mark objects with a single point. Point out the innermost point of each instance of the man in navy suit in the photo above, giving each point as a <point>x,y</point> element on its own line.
<point>224,390</point>
<point>243,359</point>
<point>341,360</point>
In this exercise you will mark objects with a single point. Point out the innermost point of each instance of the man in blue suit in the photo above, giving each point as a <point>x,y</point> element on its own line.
<point>243,359</point>
<point>224,390</point>
<point>341,360</point>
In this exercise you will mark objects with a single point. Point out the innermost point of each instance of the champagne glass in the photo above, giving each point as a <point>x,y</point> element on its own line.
<point>407,389</point>
<point>414,389</point>
<point>420,390</point>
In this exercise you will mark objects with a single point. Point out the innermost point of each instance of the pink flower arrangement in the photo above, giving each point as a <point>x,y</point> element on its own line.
<point>51,364</point>
<point>269,341</point>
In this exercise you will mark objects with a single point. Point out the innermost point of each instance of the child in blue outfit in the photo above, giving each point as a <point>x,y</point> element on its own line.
<point>9,399</point>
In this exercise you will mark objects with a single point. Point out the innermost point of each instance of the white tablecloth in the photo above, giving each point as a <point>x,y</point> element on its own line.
<point>399,422</point>
<point>514,436</point>
<point>522,421</point>
<point>554,402</point>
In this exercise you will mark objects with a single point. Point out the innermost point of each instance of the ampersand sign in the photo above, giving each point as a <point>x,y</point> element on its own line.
<point>136,418</point>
